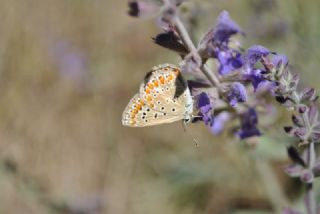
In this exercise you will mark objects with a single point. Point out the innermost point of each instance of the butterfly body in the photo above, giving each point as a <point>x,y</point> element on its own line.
<point>163,97</point>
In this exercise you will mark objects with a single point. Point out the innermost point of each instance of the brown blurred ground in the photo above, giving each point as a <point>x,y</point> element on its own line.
<point>67,70</point>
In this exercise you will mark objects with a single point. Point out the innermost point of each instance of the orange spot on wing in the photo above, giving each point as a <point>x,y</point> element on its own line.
<point>150,85</point>
<point>139,107</point>
<point>147,91</point>
<point>148,98</point>
<point>156,84</point>
<point>132,122</point>
<point>162,81</point>
<point>170,77</point>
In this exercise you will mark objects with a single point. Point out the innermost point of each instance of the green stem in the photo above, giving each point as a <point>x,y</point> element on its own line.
<point>271,185</point>
<point>310,199</point>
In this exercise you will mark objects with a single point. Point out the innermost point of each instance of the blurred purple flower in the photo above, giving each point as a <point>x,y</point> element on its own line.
<point>237,93</point>
<point>277,60</point>
<point>299,168</point>
<point>217,38</point>
<point>254,54</point>
<point>290,211</point>
<point>256,77</point>
<point>205,108</point>
<point>301,129</point>
<point>72,64</point>
<point>251,73</point>
<point>249,122</point>
<point>229,61</point>
<point>295,170</point>
<point>224,28</point>
<point>308,94</point>
<point>219,122</point>
<point>222,31</point>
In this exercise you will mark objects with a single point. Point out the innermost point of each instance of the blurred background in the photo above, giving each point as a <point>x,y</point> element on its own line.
<point>67,71</point>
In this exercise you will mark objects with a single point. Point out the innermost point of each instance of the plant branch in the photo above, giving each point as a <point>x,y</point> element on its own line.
<point>188,42</point>
<point>310,200</point>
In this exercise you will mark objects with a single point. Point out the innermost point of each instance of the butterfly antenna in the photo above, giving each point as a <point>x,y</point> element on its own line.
<point>184,125</point>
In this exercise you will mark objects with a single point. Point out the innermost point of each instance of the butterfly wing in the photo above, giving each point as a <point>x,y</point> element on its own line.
<point>138,114</point>
<point>163,98</point>
<point>165,90</point>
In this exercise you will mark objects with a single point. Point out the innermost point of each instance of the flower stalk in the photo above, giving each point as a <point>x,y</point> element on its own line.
<point>310,198</point>
<point>213,79</point>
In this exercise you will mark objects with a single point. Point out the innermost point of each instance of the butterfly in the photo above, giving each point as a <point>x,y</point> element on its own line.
<point>163,97</point>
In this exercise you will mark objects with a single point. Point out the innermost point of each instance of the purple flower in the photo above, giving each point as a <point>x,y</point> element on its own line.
<point>278,60</point>
<point>299,168</point>
<point>237,93</point>
<point>301,129</point>
<point>224,28</point>
<point>229,61</point>
<point>71,63</point>
<point>219,122</point>
<point>256,77</point>
<point>217,38</point>
<point>249,122</point>
<point>308,94</point>
<point>290,211</point>
<point>205,108</point>
<point>254,54</point>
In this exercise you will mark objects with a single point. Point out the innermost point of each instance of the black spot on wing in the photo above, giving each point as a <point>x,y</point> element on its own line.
<point>147,77</point>
<point>181,86</point>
